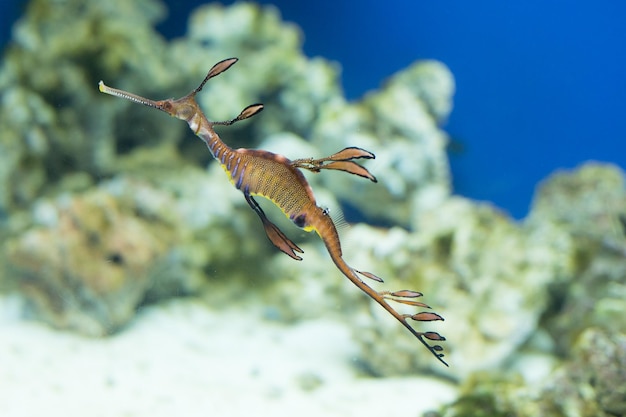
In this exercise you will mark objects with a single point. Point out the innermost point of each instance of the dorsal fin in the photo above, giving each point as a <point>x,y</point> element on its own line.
<point>336,215</point>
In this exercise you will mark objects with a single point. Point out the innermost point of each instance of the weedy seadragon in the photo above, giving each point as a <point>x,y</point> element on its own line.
<point>275,177</point>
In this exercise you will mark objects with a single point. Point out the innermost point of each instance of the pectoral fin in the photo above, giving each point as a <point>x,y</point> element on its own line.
<point>274,234</point>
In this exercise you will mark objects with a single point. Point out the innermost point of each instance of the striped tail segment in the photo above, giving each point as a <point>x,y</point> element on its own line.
<point>328,233</point>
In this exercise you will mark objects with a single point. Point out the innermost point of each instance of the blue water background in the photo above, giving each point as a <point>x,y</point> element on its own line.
<point>540,84</point>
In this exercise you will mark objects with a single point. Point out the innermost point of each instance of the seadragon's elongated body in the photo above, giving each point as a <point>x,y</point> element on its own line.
<point>273,176</point>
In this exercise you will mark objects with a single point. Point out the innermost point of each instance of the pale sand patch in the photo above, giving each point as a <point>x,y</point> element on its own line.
<point>183,359</point>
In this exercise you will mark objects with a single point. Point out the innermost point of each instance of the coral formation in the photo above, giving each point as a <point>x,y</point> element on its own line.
<point>582,325</point>
<point>399,124</point>
<point>93,257</point>
<point>560,272</point>
<point>591,383</point>
<point>487,273</point>
<point>52,122</point>
<point>586,203</point>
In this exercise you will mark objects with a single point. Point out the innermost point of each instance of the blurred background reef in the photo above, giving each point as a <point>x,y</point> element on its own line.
<point>106,206</point>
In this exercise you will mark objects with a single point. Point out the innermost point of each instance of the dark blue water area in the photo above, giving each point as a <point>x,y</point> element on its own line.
<point>540,85</point>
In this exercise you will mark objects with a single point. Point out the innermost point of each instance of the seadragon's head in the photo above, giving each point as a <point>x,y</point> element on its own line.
<point>186,108</point>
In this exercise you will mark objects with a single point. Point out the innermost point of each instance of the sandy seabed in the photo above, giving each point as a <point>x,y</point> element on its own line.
<point>184,359</point>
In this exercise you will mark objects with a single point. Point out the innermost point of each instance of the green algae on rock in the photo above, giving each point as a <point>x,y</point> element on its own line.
<point>591,382</point>
<point>399,123</point>
<point>94,257</point>
<point>52,122</point>
<point>581,332</point>
<point>487,273</point>
<point>558,273</point>
<point>586,203</point>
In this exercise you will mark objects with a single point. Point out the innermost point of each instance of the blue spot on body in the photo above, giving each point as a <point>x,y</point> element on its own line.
<point>299,220</point>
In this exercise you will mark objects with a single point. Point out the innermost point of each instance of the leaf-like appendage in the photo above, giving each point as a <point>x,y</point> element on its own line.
<point>426,316</point>
<point>434,336</point>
